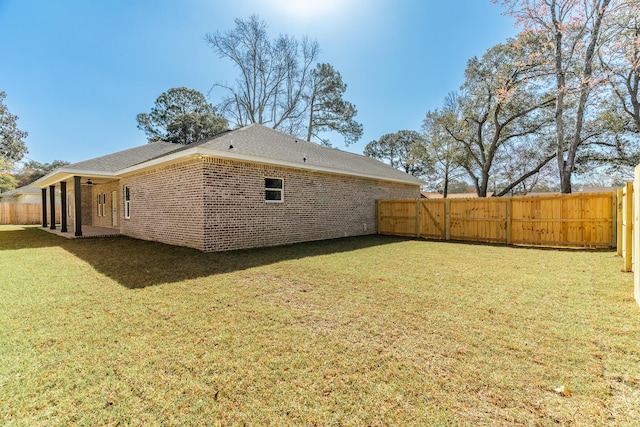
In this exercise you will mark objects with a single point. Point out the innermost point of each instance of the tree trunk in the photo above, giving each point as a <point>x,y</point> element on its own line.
<point>445,189</point>
<point>565,179</point>
<point>484,184</point>
<point>565,185</point>
<point>585,90</point>
<point>476,184</point>
<point>310,129</point>
<point>567,165</point>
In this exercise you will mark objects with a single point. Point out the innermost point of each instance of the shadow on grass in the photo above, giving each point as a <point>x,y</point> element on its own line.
<point>523,246</point>
<point>138,264</point>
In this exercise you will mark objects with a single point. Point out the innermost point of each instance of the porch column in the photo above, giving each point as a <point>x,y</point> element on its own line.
<point>44,208</point>
<point>77,203</point>
<point>52,199</point>
<point>63,206</point>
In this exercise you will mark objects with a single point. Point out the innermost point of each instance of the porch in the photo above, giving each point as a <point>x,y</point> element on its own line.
<point>88,232</point>
<point>79,215</point>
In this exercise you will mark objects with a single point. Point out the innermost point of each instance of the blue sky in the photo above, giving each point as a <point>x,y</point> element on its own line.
<point>78,72</point>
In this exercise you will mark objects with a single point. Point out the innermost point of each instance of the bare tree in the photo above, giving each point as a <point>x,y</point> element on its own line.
<point>572,30</point>
<point>274,75</point>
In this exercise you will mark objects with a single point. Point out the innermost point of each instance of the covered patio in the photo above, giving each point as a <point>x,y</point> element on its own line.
<point>76,205</point>
<point>88,232</point>
<point>90,194</point>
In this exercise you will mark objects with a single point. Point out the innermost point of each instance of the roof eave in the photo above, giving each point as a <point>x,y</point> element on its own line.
<point>64,174</point>
<point>200,151</point>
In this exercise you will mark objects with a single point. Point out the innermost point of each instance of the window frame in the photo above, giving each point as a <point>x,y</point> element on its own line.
<point>70,206</point>
<point>279,190</point>
<point>102,204</point>
<point>126,198</point>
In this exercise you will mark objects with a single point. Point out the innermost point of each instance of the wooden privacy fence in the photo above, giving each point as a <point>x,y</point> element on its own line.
<point>625,225</point>
<point>23,213</point>
<point>635,228</point>
<point>573,220</point>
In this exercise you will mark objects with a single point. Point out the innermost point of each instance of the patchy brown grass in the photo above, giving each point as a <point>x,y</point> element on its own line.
<point>361,331</point>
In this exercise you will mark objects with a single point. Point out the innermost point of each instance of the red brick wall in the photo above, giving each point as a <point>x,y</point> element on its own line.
<point>87,199</point>
<point>166,205</point>
<point>86,208</point>
<point>316,205</point>
<point>106,189</point>
<point>216,204</point>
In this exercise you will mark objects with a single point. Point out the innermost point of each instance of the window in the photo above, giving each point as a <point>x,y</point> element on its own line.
<point>102,204</point>
<point>69,206</point>
<point>127,202</point>
<point>273,188</point>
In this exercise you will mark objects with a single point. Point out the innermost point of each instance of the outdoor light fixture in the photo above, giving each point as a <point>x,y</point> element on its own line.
<point>89,182</point>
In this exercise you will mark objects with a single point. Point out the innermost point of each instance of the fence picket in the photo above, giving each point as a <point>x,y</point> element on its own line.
<point>23,213</point>
<point>571,220</point>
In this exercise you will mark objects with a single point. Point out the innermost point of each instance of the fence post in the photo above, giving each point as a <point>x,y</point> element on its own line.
<point>614,218</point>
<point>377,216</point>
<point>628,235</point>
<point>447,219</point>
<point>508,220</point>
<point>618,217</point>
<point>418,219</point>
<point>636,242</point>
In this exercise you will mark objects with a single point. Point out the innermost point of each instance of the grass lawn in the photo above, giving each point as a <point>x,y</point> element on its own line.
<point>362,331</point>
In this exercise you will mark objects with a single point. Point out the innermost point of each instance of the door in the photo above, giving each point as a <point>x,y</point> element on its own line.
<point>114,208</point>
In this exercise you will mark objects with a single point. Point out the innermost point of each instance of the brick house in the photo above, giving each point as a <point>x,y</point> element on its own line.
<point>245,188</point>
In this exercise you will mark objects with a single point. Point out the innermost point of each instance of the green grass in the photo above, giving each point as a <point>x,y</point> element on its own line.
<point>361,331</point>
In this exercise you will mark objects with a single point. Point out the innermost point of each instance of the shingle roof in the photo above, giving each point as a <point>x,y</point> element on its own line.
<point>124,159</point>
<point>20,191</point>
<point>261,141</point>
<point>255,141</point>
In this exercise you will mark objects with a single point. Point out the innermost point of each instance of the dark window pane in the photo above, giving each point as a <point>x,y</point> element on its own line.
<point>272,183</point>
<point>272,195</point>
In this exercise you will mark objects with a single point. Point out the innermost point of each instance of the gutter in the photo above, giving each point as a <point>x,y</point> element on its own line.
<point>64,173</point>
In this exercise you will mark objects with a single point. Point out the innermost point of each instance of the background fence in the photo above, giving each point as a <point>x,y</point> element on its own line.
<point>23,213</point>
<point>573,220</point>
